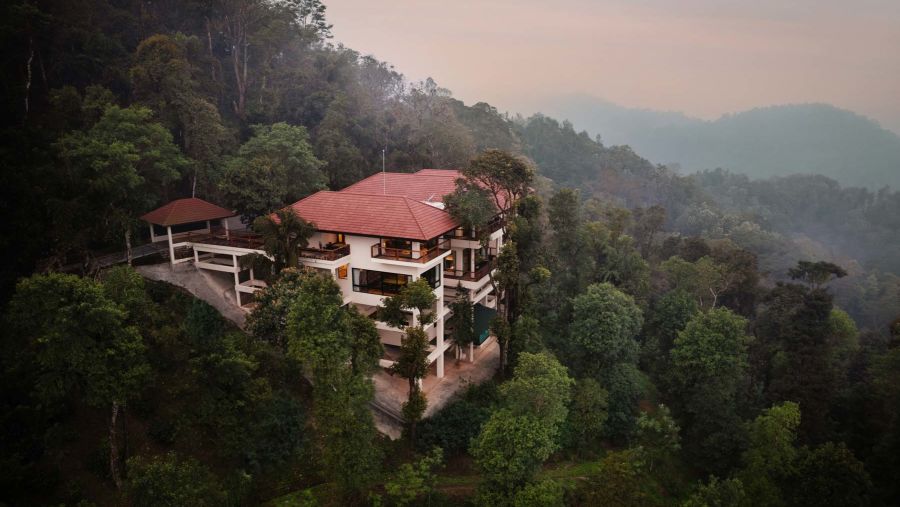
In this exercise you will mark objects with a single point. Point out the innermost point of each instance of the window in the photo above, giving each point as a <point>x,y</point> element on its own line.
<point>378,282</point>
<point>342,271</point>
<point>397,247</point>
<point>342,240</point>
<point>433,277</point>
<point>450,261</point>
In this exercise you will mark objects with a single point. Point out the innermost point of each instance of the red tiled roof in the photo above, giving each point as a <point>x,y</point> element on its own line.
<point>373,215</point>
<point>431,186</point>
<point>185,211</point>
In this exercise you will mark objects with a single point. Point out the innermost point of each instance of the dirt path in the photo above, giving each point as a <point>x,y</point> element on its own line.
<point>214,288</point>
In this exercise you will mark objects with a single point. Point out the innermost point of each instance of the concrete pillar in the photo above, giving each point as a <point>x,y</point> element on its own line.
<point>439,328</point>
<point>152,234</point>
<point>171,248</point>
<point>472,260</point>
<point>208,227</point>
<point>237,279</point>
<point>227,230</point>
<point>196,257</point>
<point>471,352</point>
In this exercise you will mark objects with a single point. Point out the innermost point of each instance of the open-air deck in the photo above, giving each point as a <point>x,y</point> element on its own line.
<point>409,254</point>
<point>326,253</point>
<point>473,276</point>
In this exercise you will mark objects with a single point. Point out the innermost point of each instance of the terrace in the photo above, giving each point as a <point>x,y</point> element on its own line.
<point>398,250</point>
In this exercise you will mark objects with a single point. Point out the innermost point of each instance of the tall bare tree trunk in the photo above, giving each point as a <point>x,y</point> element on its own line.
<point>128,251</point>
<point>212,59</point>
<point>114,446</point>
<point>28,74</point>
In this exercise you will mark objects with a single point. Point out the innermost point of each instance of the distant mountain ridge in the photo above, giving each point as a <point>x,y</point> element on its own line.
<point>761,142</point>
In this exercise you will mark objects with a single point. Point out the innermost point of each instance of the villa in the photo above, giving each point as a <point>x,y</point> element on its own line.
<point>374,237</point>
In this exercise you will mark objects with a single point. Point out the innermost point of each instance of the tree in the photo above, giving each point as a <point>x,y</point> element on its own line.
<point>619,481</point>
<point>794,354</point>
<point>709,375</point>
<point>605,323</point>
<point>540,388</point>
<point>268,321</point>
<point>769,458</point>
<point>509,450</point>
<point>506,177</point>
<point>647,223</point>
<point>163,80</point>
<point>412,364</point>
<point>324,337</point>
<point>657,436</point>
<point>169,481</point>
<point>667,316</point>
<point>416,480</point>
<point>706,279</point>
<point>472,207</point>
<point>719,493</point>
<point>829,475</point>
<point>125,286</point>
<point>82,346</point>
<point>816,273</point>
<point>519,437</point>
<point>546,493</point>
<point>587,414</point>
<point>284,233</point>
<point>274,167</point>
<point>462,322</point>
<point>120,166</point>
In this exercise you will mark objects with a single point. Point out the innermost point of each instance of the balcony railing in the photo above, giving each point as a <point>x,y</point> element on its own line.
<point>410,254</point>
<point>220,237</point>
<point>494,225</point>
<point>461,274</point>
<point>325,254</point>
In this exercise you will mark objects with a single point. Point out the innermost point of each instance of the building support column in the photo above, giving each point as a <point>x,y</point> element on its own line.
<point>237,279</point>
<point>439,332</point>
<point>471,352</point>
<point>171,248</point>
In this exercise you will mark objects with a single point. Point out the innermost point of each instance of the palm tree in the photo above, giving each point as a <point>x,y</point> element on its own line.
<point>284,234</point>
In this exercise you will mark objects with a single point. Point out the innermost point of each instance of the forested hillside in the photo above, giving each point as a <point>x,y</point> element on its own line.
<point>761,143</point>
<point>667,340</point>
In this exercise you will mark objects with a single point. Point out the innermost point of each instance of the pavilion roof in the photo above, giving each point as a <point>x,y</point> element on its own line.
<point>185,211</point>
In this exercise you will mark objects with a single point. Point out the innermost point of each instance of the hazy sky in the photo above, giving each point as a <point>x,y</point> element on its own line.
<point>703,57</point>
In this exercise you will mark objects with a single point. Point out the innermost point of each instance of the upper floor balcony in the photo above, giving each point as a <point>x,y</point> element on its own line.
<point>330,252</point>
<point>407,251</point>
<point>491,227</point>
<point>479,273</point>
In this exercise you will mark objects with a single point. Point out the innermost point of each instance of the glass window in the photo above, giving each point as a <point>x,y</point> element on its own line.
<point>433,277</point>
<point>378,282</point>
<point>342,271</point>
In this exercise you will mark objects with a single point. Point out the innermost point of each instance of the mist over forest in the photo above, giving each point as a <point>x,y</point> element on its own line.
<point>761,143</point>
<point>724,332</point>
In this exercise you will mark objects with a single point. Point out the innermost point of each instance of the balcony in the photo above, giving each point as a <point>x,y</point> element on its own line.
<point>491,227</point>
<point>471,276</point>
<point>419,255</point>
<point>328,253</point>
<point>218,236</point>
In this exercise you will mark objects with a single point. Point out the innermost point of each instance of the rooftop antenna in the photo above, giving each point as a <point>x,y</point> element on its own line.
<point>383,175</point>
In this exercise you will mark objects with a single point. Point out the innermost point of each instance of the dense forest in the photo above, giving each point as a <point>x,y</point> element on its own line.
<point>708,340</point>
<point>761,143</point>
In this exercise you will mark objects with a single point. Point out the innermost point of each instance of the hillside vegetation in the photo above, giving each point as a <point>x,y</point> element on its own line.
<point>666,340</point>
<point>761,143</point>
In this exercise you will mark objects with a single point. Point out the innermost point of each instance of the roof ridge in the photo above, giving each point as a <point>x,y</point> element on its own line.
<point>414,216</point>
